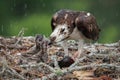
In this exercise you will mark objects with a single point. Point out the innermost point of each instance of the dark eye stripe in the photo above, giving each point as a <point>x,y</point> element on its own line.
<point>62,30</point>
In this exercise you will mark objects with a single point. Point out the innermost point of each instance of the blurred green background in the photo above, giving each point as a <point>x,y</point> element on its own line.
<point>35,16</point>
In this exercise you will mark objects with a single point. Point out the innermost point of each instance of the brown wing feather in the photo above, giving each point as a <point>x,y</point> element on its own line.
<point>88,26</point>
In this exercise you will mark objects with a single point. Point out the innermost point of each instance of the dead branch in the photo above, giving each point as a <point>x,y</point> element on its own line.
<point>20,34</point>
<point>32,59</point>
<point>54,58</point>
<point>94,65</point>
<point>38,65</point>
<point>9,69</point>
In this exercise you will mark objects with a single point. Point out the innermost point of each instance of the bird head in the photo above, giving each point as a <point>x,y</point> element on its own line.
<point>62,24</point>
<point>60,33</point>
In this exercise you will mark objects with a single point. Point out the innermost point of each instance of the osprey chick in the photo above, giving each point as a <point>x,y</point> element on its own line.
<point>76,25</point>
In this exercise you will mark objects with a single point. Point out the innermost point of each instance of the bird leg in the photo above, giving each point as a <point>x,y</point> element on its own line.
<point>80,47</point>
<point>65,47</point>
<point>79,53</point>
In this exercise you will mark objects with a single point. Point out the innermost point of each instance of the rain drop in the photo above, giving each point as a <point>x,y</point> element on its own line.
<point>43,5</point>
<point>2,28</point>
<point>25,8</point>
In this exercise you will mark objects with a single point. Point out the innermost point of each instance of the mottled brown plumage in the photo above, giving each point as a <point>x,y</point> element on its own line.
<point>84,21</point>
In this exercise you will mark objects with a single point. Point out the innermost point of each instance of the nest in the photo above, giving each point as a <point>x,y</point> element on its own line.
<point>28,58</point>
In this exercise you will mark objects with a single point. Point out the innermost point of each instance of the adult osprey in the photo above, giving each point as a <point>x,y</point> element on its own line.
<point>68,24</point>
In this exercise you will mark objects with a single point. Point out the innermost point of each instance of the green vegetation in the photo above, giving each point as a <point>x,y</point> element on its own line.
<point>35,16</point>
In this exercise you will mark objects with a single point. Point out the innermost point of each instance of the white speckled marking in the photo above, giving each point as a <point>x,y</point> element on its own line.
<point>77,19</point>
<point>55,16</point>
<point>87,15</point>
<point>66,15</point>
<point>54,24</point>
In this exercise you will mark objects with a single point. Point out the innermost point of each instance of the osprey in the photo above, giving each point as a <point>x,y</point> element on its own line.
<point>76,25</point>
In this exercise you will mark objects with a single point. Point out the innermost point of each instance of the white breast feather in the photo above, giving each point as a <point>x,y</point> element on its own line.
<point>76,34</point>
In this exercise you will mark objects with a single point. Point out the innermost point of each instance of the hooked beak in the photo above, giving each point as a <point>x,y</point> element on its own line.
<point>52,40</point>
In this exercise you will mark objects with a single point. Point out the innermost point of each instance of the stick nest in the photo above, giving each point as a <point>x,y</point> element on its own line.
<point>28,58</point>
